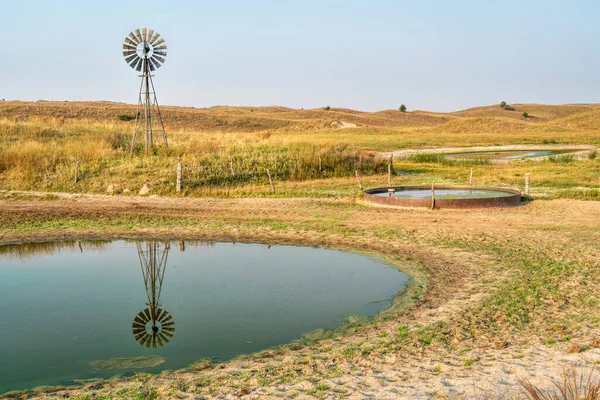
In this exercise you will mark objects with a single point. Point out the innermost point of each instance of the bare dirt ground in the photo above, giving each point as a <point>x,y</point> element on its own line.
<point>456,278</point>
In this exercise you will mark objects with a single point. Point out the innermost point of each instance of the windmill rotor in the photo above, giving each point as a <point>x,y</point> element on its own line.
<point>146,45</point>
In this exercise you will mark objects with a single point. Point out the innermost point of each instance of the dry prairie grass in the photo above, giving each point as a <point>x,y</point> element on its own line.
<point>41,142</point>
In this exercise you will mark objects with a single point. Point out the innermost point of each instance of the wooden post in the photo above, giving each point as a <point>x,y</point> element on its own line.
<point>390,170</point>
<point>432,195</point>
<point>527,181</point>
<point>179,177</point>
<point>182,246</point>
<point>76,171</point>
<point>319,163</point>
<point>231,166</point>
<point>471,180</point>
<point>271,181</point>
<point>360,186</point>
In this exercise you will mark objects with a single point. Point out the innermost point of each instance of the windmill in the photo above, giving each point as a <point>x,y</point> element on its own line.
<point>153,325</point>
<point>145,52</point>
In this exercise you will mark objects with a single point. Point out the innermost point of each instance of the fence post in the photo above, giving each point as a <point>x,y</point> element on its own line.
<point>390,163</point>
<point>76,171</point>
<point>527,182</point>
<point>432,195</point>
<point>471,181</point>
<point>231,166</point>
<point>360,186</point>
<point>179,177</point>
<point>271,181</point>
<point>319,163</point>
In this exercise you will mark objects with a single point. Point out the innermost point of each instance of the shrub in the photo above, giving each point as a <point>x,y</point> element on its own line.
<point>326,108</point>
<point>509,108</point>
<point>402,108</point>
<point>526,115</point>
<point>125,117</point>
<point>502,104</point>
<point>592,154</point>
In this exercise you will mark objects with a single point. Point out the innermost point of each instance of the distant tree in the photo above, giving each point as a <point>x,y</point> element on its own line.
<point>402,108</point>
<point>326,108</point>
<point>526,115</point>
<point>502,104</point>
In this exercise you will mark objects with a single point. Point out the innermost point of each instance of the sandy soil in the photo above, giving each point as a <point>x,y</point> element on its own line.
<point>454,278</point>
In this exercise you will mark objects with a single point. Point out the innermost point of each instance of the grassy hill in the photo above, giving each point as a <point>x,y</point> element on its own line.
<point>226,150</point>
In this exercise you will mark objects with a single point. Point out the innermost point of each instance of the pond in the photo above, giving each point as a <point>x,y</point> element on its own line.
<point>504,154</point>
<point>447,193</point>
<point>80,311</point>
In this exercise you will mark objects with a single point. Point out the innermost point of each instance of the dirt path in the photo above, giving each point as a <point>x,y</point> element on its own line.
<point>456,279</point>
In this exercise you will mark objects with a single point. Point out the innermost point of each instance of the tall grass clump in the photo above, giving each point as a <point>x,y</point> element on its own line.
<point>562,158</point>
<point>42,154</point>
<point>572,386</point>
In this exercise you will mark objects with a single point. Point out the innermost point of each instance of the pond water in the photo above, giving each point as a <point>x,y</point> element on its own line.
<point>505,154</point>
<point>447,193</point>
<point>69,309</point>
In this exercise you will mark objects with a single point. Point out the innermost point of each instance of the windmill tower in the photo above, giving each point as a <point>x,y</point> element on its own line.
<point>145,52</point>
<point>153,325</point>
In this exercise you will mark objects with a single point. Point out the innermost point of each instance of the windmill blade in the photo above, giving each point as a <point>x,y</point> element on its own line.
<point>151,65</point>
<point>129,60</point>
<point>154,38</point>
<point>168,334</point>
<point>150,34</point>
<point>147,311</point>
<point>138,35</point>
<point>128,54</point>
<point>154,56</point>
<point>134,39</point>
<point>160,53</point>
<point>129,47</point>
<point>140,337</point>
<point>161,41</point>
<point>153,341</point>
<point>160,342</point>
<point>140,317</point>
<point>162,47</point>
<point>134,63</point>
<point>130,42</point>
<point>163,337</point>
<point>144,36</point>
<point>147,341</point>
<point>156,63</point>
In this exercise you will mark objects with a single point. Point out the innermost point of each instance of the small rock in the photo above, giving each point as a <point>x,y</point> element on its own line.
<point>110,189</point>
<point>144,190</point>
<point>125,191</point>
<point>574,348</point>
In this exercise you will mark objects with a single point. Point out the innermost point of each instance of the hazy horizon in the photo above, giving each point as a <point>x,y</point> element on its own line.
<point>431,56</point>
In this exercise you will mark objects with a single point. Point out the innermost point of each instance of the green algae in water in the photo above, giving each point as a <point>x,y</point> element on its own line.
<point>129,362</point>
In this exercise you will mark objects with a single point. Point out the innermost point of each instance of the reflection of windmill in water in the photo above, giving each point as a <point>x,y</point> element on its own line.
<point>153,325</point>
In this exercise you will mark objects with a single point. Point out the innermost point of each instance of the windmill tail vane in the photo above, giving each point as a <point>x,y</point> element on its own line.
<point>145,51</point>
<point>153,326</point>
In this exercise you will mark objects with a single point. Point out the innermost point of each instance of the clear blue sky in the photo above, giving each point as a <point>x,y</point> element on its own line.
<point>369,55</point>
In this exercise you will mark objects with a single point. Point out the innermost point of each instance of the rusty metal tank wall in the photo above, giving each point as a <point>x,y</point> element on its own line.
<point>505,201</point>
